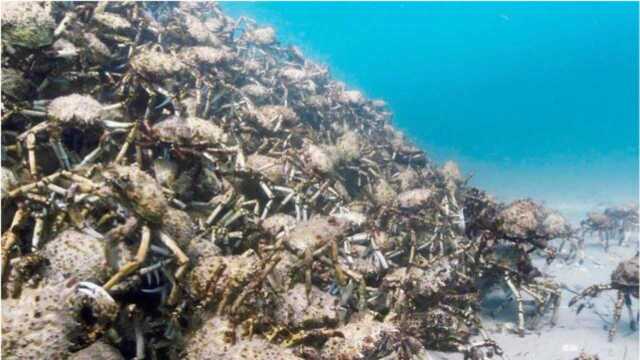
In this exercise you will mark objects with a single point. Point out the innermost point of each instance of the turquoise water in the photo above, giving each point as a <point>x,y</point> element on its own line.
<point>534,99</point>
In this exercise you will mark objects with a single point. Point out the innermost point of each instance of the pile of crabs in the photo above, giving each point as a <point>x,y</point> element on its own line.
<point>177,184</point>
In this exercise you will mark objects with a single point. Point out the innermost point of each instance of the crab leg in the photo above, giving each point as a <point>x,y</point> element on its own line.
<point>518,298</point>
<point>31,149</point>
<point>38,229</point>
<point>127,142</point>
<point>10,237</point>
<point>132,266</point>
<point>616,315</point>
<point>183,263</point>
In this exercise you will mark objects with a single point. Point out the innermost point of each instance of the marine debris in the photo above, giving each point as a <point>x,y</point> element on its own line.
<point>178,184</point>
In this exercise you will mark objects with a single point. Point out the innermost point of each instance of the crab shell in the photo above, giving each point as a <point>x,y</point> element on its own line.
<point>293,74</point>
<point>14,84</point>
<point>351,97</point>
<point>73,254</point>
<point>27,24</point>
<point>348,146</point>
<point>626,274</point>
<point>383,193</point>
<point>319,159</point>
<point>366,338</point>
<point>156,65</point>
<point>214,341</point>
<point>179,226</point>
<point>451,171</point>
<point>165,171</point>
<point>520,219</point>
<point>141,191</point>
<point>99,350</point>
<point>261,36</point>
<point>296,311</point>
<point>269,167</point>
<point>202,32</point>
<point>407,179</point>
<point>111,22</point>
<point>256,92</point>
<point>9,182</point>
<point>189,131</point>
<point>599,219</point>
<point>48,322</point>
<point>414,199</point>
<point>81,110</point>
<point>272,114</point>
<point>317,231</point>
<point>555,225</point>
<point>202,277</point>
<point>278,222</point>
<point>97,50</point>
<point>205,56</point>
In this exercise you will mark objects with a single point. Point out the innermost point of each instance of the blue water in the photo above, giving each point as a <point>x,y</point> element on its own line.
<point>534,99</point>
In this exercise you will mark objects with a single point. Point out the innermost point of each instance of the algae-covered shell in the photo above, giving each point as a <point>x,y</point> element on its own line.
<point>78,109</point>
<point>9,182</point>
<point>293,74</point>
<point>316,231</point>
<point>179,226</point>
<point>297,311</point>
<point>414,199</point>
<point>361,339</point>
<point>214,341</point>
<point>383,193</point>
<point>140,189</point>
<point>156,65</point>
<point>256,92</point>
<point>48,322</point>
<point>319,159</point>
<point>27,24</point>
<point>261,36</point>
<point>626,274</point>
<point>270,167</point>
<point>520,219</point>
<point>201,32</point>
<point>450,170</point>
<point>14,84</point>
<point>73,254</point>
<point>97,50</point>
<point>278,222</point>
<point>351,97</point>
<point>189,131</point>
<point>407,179</point>
<point>205,55</point>
<point>165,171</point>
<point>555,225</point>
<point>112,22</point>
<point>349,146</point>
<point>99,350</point>
<point>216,271</point>
<point>272,114</point>
<point>35,325</point>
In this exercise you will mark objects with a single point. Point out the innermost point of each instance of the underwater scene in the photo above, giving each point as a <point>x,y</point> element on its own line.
<point>319,180</point>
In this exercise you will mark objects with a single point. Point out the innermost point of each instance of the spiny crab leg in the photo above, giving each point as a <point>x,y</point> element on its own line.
<point>183,259</point>
<point>31,149</point>
<point>128,141</point>
<point>255,284</point>
<point>38,229</point>
<point>132,266</point>
<point>10,237</point>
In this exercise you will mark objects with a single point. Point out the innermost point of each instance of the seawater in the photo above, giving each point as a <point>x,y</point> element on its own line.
<point>533,99</point>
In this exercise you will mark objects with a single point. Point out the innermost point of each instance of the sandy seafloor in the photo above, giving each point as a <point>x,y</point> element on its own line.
<point>586,331</point>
